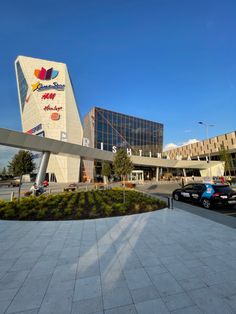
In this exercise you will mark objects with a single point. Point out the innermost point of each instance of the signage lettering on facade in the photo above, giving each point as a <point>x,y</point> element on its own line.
<point>35,129</point>
<point>129,152</point>
<point>48,96</point>
<point>49,108</point>
<point>86,141</point>
<point>40,87</point>
<point>63,136</point>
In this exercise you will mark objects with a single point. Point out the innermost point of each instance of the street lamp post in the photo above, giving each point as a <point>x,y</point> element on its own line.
<point>207,125</point>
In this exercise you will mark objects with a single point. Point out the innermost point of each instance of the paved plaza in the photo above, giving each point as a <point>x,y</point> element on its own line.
<point>168,261</point>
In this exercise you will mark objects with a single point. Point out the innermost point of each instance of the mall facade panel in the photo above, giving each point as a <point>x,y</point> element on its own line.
<point>109,130</point>
<point>48,108</point>
<point>210,147</point>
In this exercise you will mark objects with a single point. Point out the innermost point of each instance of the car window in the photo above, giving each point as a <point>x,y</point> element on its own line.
<point>188,187</point>
<point>222,189</point>
<point>199,187</point>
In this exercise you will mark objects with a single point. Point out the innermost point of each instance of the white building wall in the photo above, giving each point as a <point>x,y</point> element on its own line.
<point>37,109</point>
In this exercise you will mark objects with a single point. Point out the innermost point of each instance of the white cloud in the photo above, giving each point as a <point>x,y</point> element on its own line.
<point>170,146</point>
<point>190,141</point>
<point>173,145</point>
<point>6,154</point>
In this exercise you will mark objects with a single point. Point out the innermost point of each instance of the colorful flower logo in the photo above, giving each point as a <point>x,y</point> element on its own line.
<point>44,74</point>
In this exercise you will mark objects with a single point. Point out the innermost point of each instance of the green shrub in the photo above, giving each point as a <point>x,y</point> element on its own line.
<point>93,212</point>
<point>68,211</point>
<point>41,213</point>
<point>79,205</point>
<point>9,213</point>
<point>107,210</point>
<point>120,208</point>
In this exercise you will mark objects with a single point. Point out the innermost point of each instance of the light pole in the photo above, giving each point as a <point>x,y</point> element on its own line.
<point>207,125</point>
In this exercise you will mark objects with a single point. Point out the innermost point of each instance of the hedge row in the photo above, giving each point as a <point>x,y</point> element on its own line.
<point>79,205</point>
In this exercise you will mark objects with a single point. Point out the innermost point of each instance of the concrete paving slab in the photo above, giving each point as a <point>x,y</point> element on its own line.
<point>168,261</point>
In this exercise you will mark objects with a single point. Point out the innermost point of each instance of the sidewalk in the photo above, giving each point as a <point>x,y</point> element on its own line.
<point>168,261</point>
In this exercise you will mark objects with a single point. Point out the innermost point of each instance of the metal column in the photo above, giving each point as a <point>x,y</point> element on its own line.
<point>42,168</point>
<point>157,174</point>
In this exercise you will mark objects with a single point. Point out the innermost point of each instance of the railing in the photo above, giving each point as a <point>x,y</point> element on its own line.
<point>9,196</point>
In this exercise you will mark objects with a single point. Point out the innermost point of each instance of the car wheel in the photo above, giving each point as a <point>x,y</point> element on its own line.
<point>206,203</point>
<point>176,197</point>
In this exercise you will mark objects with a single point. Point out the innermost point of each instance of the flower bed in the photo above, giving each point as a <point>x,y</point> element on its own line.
<point>79,205</point>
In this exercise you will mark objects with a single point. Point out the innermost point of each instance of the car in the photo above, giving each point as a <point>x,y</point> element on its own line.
<point>206,194</point>
<point>71,187</point>
<point>14,183</point>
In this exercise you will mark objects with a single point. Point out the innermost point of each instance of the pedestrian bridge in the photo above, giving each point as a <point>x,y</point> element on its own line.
<point>50,146</point>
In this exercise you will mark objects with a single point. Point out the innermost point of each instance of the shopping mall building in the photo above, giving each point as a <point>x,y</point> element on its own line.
<point>49,109</point>
<point>208,149</point>
<point>108,130</point>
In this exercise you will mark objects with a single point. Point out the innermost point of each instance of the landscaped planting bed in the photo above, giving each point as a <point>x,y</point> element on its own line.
<point>79,205</point>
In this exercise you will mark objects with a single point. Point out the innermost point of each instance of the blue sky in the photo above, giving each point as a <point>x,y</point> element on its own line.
<point>171,61</point>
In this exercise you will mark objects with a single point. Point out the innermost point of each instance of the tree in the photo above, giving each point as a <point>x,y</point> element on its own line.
<point>226,157</point>
<point>122,166</point>
<point>4,172</point>
<point>106,170</point>
<point>22,163</point>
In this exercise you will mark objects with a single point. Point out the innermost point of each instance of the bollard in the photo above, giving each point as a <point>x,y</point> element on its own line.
<point>170,203</point>
<point>12,196</point>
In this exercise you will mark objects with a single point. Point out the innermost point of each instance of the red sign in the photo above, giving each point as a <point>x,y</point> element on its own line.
<point>49,108</point>
<point>55,116</point>
<point>48,96</point>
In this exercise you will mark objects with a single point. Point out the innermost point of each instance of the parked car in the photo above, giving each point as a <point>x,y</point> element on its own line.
<point>206,194</point>
<point>71,187</point>
<point>14,182</point>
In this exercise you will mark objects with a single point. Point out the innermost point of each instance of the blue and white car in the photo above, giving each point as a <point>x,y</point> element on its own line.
<point>206,194</point>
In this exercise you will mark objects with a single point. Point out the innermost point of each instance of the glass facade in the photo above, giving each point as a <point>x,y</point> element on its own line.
<point>120,130</point>
<point>23,86</point>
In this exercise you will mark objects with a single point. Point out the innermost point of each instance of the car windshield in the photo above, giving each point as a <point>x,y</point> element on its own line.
<point>222,188</point>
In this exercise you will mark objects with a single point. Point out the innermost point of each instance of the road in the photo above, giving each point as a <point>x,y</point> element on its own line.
<point>165,190</point>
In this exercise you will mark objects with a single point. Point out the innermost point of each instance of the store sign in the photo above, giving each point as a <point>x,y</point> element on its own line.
<point>129,152</point>
<point>44,74</point>
<point>49,108</point>
<point>55,116</point>
<point>40,87</point>
<point>35,129</point>
<point>50,96</point>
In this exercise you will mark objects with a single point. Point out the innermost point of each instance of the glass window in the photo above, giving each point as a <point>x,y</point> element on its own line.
<point>23,86</point>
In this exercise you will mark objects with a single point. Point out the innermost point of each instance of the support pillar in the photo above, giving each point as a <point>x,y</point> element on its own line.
<point>42,168</point>
<point>184,172</point>
<point>157,174</point>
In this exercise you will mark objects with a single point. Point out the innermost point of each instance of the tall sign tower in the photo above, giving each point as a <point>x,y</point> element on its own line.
<point>48,108</point>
